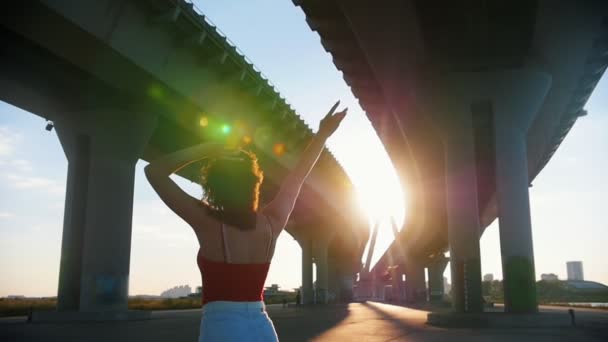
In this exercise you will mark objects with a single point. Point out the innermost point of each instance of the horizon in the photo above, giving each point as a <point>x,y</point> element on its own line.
<point>566,198</point>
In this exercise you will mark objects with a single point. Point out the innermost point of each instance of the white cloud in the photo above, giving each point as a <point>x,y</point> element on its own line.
<point>5,214</point>
<point>26,182</point>
<point>162,232</point>
<point>21,164</point>
<point>8,140</point>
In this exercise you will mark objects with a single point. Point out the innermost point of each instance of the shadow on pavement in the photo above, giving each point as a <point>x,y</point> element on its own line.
<point>396,321</point>
<point>304,324</point>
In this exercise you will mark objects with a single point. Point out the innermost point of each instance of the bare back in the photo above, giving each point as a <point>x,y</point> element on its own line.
<point>254,246</point>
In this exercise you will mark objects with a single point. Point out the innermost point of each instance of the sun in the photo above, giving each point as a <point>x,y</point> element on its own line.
<point>382,200</point>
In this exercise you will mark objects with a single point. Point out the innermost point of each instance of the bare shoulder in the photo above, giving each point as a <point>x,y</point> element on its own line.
<point>267,217</point>
<point>202,222</point>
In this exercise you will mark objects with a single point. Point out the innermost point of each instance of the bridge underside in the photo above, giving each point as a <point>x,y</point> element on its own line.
<point>471,101</point>
<point>132,85</point>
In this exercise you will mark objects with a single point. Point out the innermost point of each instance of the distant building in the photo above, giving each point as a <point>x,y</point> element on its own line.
<point>575,270</point>
<point>271,290</point>
<point>15,297</point>
<point>177,292</point>
<point>488,277</point>
<point>549,277</point>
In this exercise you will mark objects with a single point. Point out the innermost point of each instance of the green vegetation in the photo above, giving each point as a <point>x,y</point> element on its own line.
<point>165,303</point>
<point>22,307</point>
<point>492,291</point>
<point>558,292</point>
<point>290,297</point>
<point>548,292</point>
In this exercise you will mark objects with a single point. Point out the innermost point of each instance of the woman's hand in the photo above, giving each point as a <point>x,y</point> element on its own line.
<point>331,121</point>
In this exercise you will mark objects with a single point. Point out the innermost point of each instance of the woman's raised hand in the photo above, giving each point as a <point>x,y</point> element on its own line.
<point>331,121</point>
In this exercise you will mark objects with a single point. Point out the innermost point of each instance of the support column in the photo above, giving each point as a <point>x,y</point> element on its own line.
<point>102,148</point>
<point>514,111</point>
<point>449,100</point>
<point>322,273</point>
<point>435,275</point>
<point>334,278</point>
<point>70,267</point>
<point>512,98</point>
<point>345,290</point>
<point>415,287</point>
<point>307,290</point>
<point>398,284</point>
<point>463,215</point>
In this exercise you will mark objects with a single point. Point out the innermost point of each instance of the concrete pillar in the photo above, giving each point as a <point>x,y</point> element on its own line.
<point>333,282</point>
<point>514,109</point>
<point>102,150</point>
<point>321,295</point>
<point>340,282</point>
<point>70,267</point>
<point>345,291</point>
<point>376,286</point>
<point>435,276</point>
<point>307,290</point>
<point>513,98</point>
<point>448,101</point>
<point>415,286</point>
<point>463,215</point>
<point>398,284</point>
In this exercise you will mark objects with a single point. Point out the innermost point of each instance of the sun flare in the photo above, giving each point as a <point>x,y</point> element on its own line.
<point>382,200</point>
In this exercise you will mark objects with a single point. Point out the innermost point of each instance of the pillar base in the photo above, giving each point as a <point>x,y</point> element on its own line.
<point>321,296</point>
<point>82,316</point>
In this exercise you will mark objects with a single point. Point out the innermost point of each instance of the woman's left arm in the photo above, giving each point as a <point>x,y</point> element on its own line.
<point>158,172</point>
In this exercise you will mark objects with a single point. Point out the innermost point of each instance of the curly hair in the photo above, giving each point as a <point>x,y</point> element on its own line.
<point>231,189</point>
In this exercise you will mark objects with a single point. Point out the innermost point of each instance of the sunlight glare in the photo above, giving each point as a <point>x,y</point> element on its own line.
<point>379,192</point>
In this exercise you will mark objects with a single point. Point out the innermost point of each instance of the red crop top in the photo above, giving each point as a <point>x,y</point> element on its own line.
<point>226,281</point>
<point>232,282</point>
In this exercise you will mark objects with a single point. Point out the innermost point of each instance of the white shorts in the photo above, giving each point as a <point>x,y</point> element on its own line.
<point>236,321</point>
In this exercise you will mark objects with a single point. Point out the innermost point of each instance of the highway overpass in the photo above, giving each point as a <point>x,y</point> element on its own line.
<point>129,80</point>
<point>470,99</point>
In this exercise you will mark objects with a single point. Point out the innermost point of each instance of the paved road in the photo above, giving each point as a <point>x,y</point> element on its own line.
<point>356,322</point>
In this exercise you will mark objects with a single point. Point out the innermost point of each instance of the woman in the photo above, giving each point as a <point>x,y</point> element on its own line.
<point>236,238</point>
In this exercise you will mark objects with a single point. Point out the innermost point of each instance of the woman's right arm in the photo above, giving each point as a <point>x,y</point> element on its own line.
<point>159,170</point>
<point>280,208</point>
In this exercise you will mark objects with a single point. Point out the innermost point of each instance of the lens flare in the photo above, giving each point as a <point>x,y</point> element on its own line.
<point>225,129</point>
<point>155,92</point>
<point>278,149</point>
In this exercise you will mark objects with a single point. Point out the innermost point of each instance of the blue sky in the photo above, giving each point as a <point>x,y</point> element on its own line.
<point>566,199</point>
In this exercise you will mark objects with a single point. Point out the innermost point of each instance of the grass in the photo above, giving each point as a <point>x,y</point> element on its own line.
<point>22,307</point>
<point>164,303</point>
